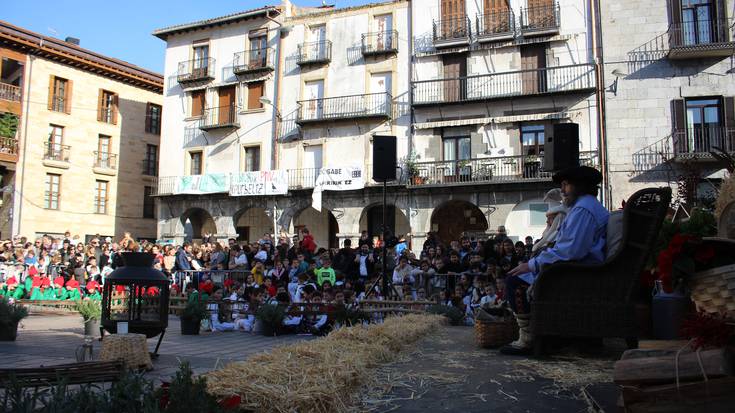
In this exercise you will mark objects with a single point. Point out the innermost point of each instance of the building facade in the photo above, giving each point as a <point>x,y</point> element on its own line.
<point>87,140</point>
<point>669,92</point>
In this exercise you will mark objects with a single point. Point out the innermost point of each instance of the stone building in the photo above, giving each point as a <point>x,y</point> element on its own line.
<point>85,149</point>
<point>669,91</point>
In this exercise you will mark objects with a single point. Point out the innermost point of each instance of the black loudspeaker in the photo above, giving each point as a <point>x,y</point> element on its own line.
<point>561,149</point>
<point>384,158</point>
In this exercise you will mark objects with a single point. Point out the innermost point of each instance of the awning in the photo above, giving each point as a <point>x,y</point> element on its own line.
<point>497,119</point>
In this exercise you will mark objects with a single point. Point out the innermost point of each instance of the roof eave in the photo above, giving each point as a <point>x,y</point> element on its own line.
<point>164,33</point>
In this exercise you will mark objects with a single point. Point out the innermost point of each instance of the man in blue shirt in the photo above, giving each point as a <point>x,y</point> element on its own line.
<point>581,238</point>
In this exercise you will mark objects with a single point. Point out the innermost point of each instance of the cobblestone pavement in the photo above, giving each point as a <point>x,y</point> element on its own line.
<point>45,340</point>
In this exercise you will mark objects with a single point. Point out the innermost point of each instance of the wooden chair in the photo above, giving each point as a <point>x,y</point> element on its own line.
<point>581,300</point>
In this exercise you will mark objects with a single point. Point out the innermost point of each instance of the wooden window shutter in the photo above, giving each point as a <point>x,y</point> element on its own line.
<point>728,109</point>
<point>722,25</point>
<point>148,117</point>
<point>100,98</point>
<point>255,91</point>
<point>115,101</point>
<point>51,91</point>
<point>197,102</point>
<point>67,97</point>
<point>678,116</point>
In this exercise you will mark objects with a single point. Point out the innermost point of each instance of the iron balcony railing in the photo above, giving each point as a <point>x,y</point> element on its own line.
<point>372,105</point>
<point>304,178</point>
<point>314,52</point>
<point>560,79</point>
<point>487,170</point>
<point>697,142</point>
<point>379,42</point>
<point>9,92</point>
<point>105,160</point>
<point>495,25</point>
<point>543,19</point>
<point>8,146</point>
<point>452,29</point>
<point>219,117</point>
<point>57,152</point>
<point>702,34</point>
<point>196,70</point>
<point>253,61</point>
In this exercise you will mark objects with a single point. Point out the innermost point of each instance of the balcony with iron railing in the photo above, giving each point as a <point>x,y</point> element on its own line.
<point>9,92</point>
<point>219,117</point>
<point>372,105</point>
<point>253,61</point>
<point>532,82</point>
<point>105,160</point>
<point>8,149</point>
<point>495,26</point>
<point>539,20</point>
<point>451,31</point>
<point>314,53</point>
<point>506,169</point>
<point>696,143</point>
<point>56,152</point>
<point>195,71</point>
<point>701,39</point>
<point>385,42</point>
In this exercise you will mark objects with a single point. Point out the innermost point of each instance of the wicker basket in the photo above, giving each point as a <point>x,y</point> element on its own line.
<point>131,348</point>
<point>714,290</point>
<point>490,334</point>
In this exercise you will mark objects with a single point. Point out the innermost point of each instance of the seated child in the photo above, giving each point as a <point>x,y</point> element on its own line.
<point>316,324</point>
<point>218,324</point>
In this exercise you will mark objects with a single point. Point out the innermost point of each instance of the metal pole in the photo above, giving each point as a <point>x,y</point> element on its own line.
<point>385,248</point>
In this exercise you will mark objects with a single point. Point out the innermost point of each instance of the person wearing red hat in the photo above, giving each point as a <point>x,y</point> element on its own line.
<point>14,290</point>
<point>59,290</point>
<point>581,238</point>
<point>36,292</point>
<point>93,291</point>
<point>48,291</point>
<point>72,290</point>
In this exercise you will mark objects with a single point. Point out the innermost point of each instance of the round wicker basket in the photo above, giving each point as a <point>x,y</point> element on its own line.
<point>490,334</point>
<point>714,290</point>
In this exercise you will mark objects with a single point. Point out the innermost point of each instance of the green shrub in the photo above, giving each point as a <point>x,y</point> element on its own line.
<point>11,313</point>
<point>89,309</point>
<point>271,315</point>
<point>196,309</point>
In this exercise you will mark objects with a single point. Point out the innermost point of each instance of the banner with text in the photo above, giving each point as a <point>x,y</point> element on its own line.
<point>259,183</point>
<point>339,178</point>
<point>203,184</point>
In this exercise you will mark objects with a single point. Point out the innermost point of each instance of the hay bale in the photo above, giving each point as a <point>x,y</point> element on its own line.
<point>320,375</point>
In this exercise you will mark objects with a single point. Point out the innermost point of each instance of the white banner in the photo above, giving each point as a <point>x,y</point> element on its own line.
<point>259,183</point>
<point>202,184</point>
<point>339,178</point>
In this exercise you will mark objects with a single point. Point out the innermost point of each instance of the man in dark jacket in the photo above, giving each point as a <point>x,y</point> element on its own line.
<point>345,259</point>
<point>183,258</point>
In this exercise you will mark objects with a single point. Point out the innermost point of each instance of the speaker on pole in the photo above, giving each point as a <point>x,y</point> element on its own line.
<point>561,149</point>
<point>384,158</point>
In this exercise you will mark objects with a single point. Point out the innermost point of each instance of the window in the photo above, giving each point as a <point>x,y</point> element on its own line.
<point>148,203</point>
<point>696,22</point>
<point>55,140</point>
<point>704,124</point>
<point>198,101</point>
<point>153,119</point>
<point>52,194</point>
<point>532,140</point>
<point>258,49</point>
<point>456,149</point>
<point>252,158</point>
<point>100,197</point>
<point>195,163</point>
<point>150,164</point>
<point>103,152</point>
<point>200,66</point>
<point>59,94</point>
<point>538,214</point>
<point>107,107</point>
<point>255,92</point>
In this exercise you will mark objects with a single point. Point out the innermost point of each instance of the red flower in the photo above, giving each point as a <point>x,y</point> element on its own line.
<point>231,403</point>
<point>704,254</point>
<point>163,401</point>
<point>707,330</point>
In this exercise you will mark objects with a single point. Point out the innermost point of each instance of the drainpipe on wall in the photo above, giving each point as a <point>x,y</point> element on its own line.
<point>276,118</point>
<point>600,100</point>
<point>23,146</point>
<point>410,77</point>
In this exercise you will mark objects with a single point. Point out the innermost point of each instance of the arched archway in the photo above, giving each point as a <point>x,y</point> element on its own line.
<point>196,222</point>
<point>322,225</point>
<point>251,223</point>
<point>455,218</point>
<point>371,220</point>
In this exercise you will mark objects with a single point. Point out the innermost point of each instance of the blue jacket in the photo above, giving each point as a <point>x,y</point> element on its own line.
<point>182,264</point>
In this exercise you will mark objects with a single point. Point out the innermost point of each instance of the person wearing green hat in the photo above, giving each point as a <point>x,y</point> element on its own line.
<point>581,238</point>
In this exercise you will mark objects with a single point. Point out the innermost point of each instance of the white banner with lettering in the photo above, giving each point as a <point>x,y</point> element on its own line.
<point>338,178</point>
<point>259,183</point>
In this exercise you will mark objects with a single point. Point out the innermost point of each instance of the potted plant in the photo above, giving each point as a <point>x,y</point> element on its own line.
<point>409,162</point>
<point>192,316</point>
<point>10,316</point>
<point>91,312</point>
<point>271,318</point>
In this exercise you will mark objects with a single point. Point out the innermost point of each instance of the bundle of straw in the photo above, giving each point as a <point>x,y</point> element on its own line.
<point>320,375</point>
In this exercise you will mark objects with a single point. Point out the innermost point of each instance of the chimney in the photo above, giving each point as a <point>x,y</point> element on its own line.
<point>72,40</point>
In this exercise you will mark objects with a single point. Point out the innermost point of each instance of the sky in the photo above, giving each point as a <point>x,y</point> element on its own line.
<point>123,29</point>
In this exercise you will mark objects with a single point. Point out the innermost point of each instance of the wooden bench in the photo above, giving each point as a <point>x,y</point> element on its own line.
<point>75,373</point>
